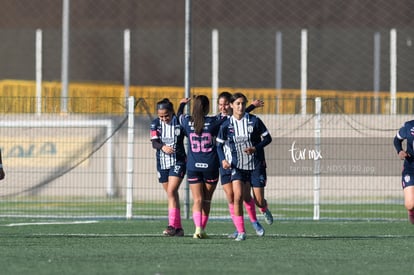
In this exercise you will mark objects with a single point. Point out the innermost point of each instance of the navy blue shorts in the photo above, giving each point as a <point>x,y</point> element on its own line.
<point>210,177</point>
<point>178,170</point>
<point>225,175</point>
<point>407,179</point>
<point>257,177</point>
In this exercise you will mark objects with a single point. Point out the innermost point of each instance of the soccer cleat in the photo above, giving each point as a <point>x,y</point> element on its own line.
<point>204,234</point>
<point>240,237</point>
<point>169,231</point>
<point>233,235</point>
<point>258,228</point>
<point>268,216</point>
<point>198,233</point>
<point>179,232</point>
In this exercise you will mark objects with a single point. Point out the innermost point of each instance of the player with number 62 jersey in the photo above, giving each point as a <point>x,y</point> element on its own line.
<point>202,154</point>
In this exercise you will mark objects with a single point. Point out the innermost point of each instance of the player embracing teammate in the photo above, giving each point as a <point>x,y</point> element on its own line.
<point>246,135</point>
<point>208,138</point>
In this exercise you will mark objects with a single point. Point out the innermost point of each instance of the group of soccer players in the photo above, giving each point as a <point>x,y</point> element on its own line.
<point>230,145</point>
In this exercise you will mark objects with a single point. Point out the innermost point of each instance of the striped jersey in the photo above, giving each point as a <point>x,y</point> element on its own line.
<point>170,134</point>
<point>238,135</point>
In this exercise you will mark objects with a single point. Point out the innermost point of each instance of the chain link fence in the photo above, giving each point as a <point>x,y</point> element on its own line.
<point>344,48</point>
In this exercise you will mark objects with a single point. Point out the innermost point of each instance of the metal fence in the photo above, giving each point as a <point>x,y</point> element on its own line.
<point>79,166</point>
<point>360,51</point>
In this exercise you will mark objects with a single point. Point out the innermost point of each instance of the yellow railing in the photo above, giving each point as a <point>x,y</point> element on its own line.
<point>18,96</point>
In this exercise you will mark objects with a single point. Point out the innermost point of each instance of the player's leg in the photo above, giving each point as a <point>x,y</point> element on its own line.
<point>238,208</point>
<point>409,202</point>
<point>210,184</point>
<point>163,176</point>
<point>174,210</point>
<point>196,183</point>
<point>249,204</point>
<point>258,182</point>
<point>407,182</point>
<point>208,196</point>
<point>228,191</point>
<point>225,178</point>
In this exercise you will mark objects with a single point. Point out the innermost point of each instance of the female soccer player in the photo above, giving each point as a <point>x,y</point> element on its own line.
<point>407,132</point>
<point>203,163</point>
<point>225,174</point>
<point>247,136</point>
<point>167,137</point>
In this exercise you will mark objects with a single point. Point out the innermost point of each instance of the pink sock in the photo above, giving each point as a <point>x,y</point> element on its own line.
<point>411,216</point>
<point>204,220</point>
<point>177,218</point>
<point>239,224</point>
<point>171,217</point>
<point>197,219</point>
<point>251,210</point>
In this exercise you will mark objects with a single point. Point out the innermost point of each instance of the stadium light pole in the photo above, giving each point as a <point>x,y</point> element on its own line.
<point>65,56</point>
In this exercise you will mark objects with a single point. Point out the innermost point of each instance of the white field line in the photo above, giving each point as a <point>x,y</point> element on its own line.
<point>281,236</point>
<point>48,223</point>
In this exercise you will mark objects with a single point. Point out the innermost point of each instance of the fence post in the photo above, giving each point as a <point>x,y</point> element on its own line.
<point>130,158</point>
<point>304,70</point>
<point>317,162</point>
<point>393,71</point>
<point>127,63</point>
<point>38,71</point>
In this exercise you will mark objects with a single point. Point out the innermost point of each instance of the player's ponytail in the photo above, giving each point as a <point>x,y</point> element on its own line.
<point>201,107</point>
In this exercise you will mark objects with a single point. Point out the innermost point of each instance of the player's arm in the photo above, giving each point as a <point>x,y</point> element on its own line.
<point>266,137</point>
<point>183,102</point>
<point>156,140</point>
<point>256,103</point>
<point>220,149</point>
<point>402,154</point>
<point>156,144</point>
<point>266,140</point>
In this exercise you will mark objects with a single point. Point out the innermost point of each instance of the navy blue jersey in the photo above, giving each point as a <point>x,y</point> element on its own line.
<point>202,151</point>
<point>171,134</point>
<point>406,133</point>
<point>238,135</point>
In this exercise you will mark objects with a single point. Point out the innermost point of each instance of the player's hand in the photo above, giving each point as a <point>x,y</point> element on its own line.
<point>258,103</point>
<point>226,164</point>
<point>185,100</point>
<point>250,150</point>
<point>168,149</point>
<point>403,154</point>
